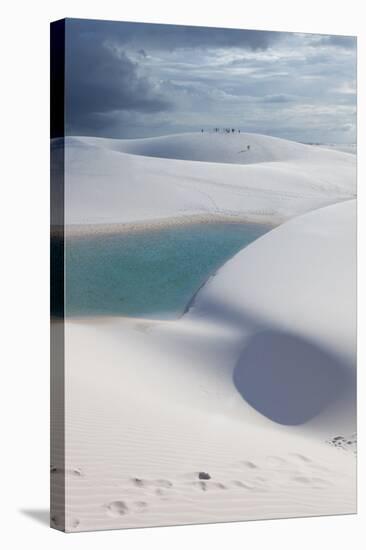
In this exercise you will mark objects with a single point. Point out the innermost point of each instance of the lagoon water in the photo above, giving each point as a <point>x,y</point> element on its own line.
<point>151,274</point>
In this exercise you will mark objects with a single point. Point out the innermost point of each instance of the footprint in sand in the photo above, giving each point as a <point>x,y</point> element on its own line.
<point>220,486</point>
<point>143,483</point>
<point>141,505</point>
<point>75,523</point>
<point>117,508</point>
<point>209,485</point>
<point>165,483</point>
<point>75,472</point>
<point>305,460</point>
<point>200,485</point>
<point>243,485</point>
<point>249,464</point>
<point>314,482</point>
<point>138,482</point>
<point>345,443</point>
<point>302,458</point>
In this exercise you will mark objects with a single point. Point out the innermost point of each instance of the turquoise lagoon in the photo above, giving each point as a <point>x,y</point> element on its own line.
<point>151,273</point>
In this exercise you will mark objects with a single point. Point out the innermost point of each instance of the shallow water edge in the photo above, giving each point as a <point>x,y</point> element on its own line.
<point>151,274</point>
<point>94,229</point>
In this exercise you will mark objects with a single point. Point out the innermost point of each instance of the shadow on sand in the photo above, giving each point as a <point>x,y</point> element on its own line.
<point>288,379</point>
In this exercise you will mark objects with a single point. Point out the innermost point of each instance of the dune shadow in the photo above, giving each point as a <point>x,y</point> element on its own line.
<point>287,378</point>
<point>216,309</point>
<point>40,515</point>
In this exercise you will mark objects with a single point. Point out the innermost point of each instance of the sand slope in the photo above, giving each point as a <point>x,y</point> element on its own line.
<point>120,181</point>
<point>296,287</point>
<point>214,147</point>
<point>150,405</point>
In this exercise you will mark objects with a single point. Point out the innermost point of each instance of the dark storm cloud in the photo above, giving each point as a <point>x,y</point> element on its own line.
<point>101,80</point>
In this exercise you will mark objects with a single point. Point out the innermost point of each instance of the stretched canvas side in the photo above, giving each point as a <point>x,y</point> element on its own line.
<point>57,328</point>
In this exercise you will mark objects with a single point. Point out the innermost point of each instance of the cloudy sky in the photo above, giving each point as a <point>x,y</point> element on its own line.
<point>137,80</point>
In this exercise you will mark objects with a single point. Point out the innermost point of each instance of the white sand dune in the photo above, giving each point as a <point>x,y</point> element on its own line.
<point>344,147</point>
<point>127,181</point>
<point>212,147</point>
<point>296,287</point>
<point>152,407</point>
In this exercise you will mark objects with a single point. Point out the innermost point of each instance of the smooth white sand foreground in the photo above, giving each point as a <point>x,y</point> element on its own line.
<point>247,387</point>
<point>129,181</point>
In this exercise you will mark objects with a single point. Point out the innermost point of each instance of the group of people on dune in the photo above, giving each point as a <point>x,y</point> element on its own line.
<point>224,130</point>
<point>227,131</point>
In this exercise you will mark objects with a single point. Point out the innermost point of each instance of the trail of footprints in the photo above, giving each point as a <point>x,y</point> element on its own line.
<point>272,474</point>
<point>345,443</point>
